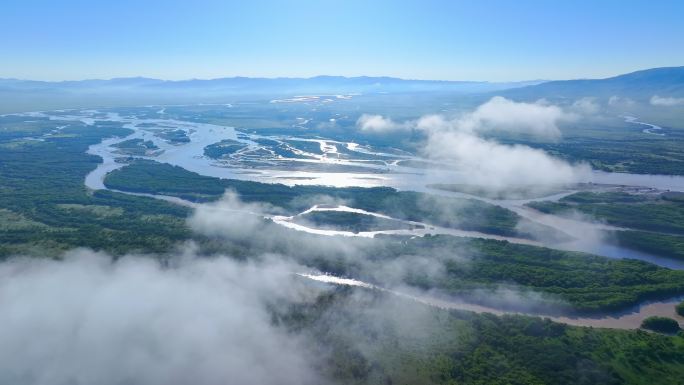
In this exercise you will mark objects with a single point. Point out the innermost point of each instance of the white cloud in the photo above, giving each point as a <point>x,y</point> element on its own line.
<point>666,101</point>
<point>487,163</point>
<point>586,106</point>
<point>501,114</point>
<point>378,124</point>
<point>230,217</point>
<point>497,166</point>
<point>430,123</point>
<point>498,114</point>
<point>87,320</point>
<point>618,100</point>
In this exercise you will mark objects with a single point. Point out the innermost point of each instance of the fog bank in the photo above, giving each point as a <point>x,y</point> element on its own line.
<point>86,320</point>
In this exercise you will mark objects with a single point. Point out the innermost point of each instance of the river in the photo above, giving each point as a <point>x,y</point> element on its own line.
<point>190,156</point>
<point>626,319</point>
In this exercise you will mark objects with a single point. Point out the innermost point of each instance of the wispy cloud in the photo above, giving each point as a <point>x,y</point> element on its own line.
<point>586,106</point>
<point>501,114</point>
<point>378,124</point>
<point>666,101</point>
<point>478,160</point>
<point>498,166</point>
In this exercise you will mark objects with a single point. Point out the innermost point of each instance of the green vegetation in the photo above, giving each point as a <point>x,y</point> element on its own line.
<point>371,339</point>
<point>478,270</point>
<point>310,147</point>
<point>661,324</point>
<point>674,196</point>
<point>657,220</point>
<point>55,212</point>
<point>680,308</point>
<point>173,136</point>
<point>467,214</point>
<point>604,197</point>
<point>568,278</point>
<point>620,147</point>
<point>348,221</point>
<point>631,211</point>
<point>671,246</point>
<point>45,208</point>
<point>136,147</point>
<point>223,148</point>
<point>514,192</point>
<point>17,127</point>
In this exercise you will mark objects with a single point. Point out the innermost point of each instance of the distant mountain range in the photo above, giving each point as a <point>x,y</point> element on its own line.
<point>22,95</point>
<point>254,86</point>
<point>639,85</point>
<point>30,95</point>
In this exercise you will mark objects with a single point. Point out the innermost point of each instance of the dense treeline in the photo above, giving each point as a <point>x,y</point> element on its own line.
<point>222,148</point>
<point>658,222</point>
<point>347,221</point>
<point>568,278</point>
<point>604,197</point>
<point>42,185</point>
<point>48,208</point>
<point>666,245</point>
<point>497,273</point>
<point>376,339</point>
<point>638,155</point>
<point>661,324</point>
<point>585,282</point>
<point>135,147</point>
<point>635,213</point>
<point>373,339</point>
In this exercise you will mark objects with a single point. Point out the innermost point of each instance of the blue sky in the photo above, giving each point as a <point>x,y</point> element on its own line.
<point>454,40</point>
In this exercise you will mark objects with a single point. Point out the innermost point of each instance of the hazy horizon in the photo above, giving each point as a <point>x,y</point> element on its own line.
<point>191,78</point>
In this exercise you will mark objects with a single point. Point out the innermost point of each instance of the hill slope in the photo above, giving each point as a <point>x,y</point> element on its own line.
<point>639,85</point>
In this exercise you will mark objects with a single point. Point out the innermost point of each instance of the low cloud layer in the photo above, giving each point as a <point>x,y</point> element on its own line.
<point>378,124</point>
<point>618,101</point>
<point>230,217</point>
<point>478,160</point>
<point>539,119</point>
<point>500,114</point>
<point>86,320</point>
<point>666,101</point>
<point>585,106</point>
<point>498,166</point>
